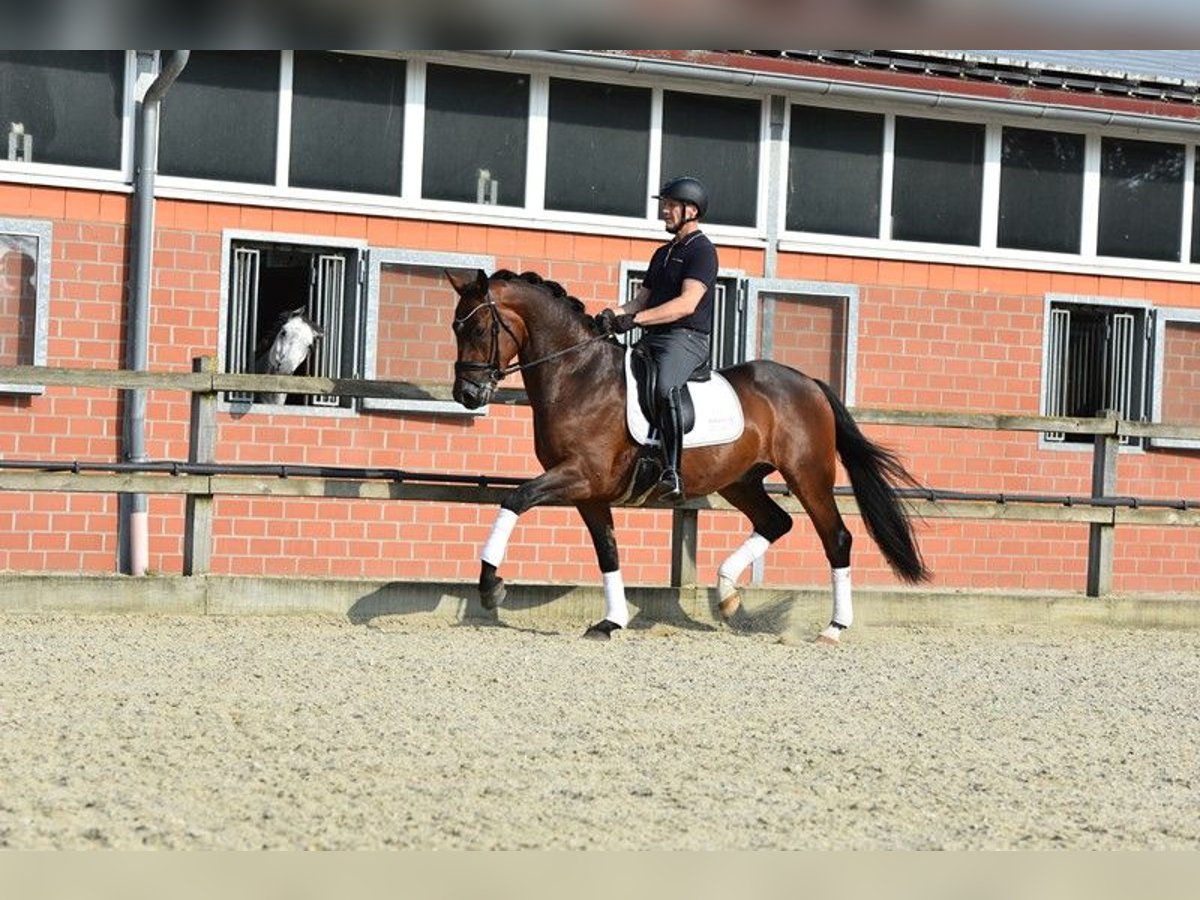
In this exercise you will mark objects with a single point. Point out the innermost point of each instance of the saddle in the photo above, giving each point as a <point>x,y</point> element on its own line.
<point>712,411</point>
<point>716,418</point>
<point>646,377</point>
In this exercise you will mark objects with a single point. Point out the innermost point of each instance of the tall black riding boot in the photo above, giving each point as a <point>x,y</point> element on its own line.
<point>670,427</point>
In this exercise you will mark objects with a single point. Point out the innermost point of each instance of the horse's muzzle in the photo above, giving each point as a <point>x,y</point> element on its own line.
<point>472,394</point>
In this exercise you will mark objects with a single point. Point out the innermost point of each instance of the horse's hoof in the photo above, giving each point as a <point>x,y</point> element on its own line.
<point>830,637</point>
<point>492,598</point>
<point>601,631</point>
<point>729,606</point>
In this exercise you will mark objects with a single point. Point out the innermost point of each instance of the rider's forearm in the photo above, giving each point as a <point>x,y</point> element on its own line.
<point>666,313</point>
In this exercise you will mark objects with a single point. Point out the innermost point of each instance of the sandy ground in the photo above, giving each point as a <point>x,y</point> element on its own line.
<point>310,732</point>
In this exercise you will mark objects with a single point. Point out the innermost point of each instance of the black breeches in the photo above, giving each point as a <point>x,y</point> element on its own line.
<point>676,354</point>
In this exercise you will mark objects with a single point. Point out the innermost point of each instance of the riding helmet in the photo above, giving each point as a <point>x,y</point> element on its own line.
<point>686,189</point>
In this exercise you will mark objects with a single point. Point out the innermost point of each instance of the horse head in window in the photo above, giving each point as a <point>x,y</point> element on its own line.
<point>287,347</point>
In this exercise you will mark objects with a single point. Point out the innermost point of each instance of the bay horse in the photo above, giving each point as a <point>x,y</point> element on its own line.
<point>574,377</point>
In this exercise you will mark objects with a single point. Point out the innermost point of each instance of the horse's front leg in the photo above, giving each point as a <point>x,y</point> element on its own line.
<point>598,518</point>
<point>556,485</point>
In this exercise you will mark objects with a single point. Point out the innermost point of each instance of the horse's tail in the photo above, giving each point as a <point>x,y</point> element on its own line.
<point>874,472</point>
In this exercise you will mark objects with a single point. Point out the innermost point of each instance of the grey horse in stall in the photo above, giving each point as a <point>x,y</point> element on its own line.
<point>293,340</point>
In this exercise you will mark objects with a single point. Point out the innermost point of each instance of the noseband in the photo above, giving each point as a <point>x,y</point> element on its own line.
<point>492,368</point>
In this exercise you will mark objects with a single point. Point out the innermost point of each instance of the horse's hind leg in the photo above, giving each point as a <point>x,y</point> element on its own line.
<point>770,521</point>
<point>814,489</point>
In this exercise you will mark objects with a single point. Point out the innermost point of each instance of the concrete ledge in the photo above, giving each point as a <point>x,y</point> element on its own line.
<point>771,610</point>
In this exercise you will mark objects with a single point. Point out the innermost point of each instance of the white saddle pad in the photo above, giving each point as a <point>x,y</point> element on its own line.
<point>719,417</point>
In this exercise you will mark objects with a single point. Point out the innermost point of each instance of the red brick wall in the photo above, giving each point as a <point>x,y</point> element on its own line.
<point>940,337</point>
<point>1181,373</point>
<point>18,276</point>
<point>808,333</point>
<point>414,319</point>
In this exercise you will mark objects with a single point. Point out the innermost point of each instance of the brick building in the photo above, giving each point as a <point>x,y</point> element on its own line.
<point>974,231</point>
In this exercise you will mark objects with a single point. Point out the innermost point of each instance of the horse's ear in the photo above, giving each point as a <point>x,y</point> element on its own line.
<point>462,284</point>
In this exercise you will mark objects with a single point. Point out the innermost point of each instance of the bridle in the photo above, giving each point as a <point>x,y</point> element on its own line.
<point>492,369</point>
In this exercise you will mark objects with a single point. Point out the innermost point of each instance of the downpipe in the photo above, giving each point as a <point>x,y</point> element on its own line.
<point>138,316</point>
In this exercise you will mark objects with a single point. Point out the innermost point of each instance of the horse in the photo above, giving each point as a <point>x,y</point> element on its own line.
<point>574,378</point>
<point>286,348</point>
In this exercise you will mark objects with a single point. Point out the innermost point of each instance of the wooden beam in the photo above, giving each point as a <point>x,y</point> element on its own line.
<point>405,390</point>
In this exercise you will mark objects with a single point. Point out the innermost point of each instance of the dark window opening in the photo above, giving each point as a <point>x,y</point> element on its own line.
<point>347,122</point>
<point>220,118</point>
<point>715,139</point>
<point>1141,199</point>
<point>62,107</point>
<point>475,135</point>
<point>598,142</point>
<point>1041,190</point>
<point>937,193</point>
<point>1096,363</point>
<point>269,281</point>
<point>835,170</point>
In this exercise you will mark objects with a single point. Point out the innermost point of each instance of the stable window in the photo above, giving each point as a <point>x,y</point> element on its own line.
<point>1041,190</point>
<point>715,139</point>
<point>835,171</point>
<point>347,122</point>
<point>1095,361</point>
<point>267,280</point>
<point>597,147</point>
<point>410,308</point>
<point>937,190</point>
<point>24,297</point>
<point>221,117</point>
<point>1141,199</point>
<point>62,107</point>
<point>476,122</point>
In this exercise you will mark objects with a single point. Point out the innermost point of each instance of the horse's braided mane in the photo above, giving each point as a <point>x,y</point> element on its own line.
<point>556,290</point>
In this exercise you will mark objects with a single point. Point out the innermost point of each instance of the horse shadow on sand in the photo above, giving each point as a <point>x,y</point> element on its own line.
<point>555,608</point>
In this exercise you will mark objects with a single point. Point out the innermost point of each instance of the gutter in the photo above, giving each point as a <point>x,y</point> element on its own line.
<point>843,90</point>
<point>141,239</point>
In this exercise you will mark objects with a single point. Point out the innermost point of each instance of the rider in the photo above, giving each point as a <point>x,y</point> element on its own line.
<point>674,306</point>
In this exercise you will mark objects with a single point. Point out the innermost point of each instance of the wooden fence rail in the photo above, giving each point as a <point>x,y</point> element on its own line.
<point>204,384</point>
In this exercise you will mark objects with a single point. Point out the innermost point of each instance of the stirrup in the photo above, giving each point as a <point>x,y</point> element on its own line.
<point>670,486</point>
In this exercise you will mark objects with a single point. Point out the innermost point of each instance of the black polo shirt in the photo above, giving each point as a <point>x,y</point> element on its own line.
<point>691,257</point>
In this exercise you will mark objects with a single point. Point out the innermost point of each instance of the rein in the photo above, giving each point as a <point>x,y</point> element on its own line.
<point>495,371</point>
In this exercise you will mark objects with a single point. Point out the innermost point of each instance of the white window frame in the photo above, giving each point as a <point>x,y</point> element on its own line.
<point>1162,317</point>
<point>43,233</point>
<point>376,260</point>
